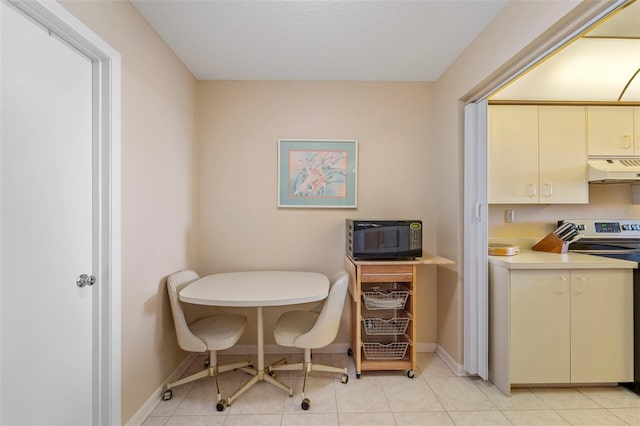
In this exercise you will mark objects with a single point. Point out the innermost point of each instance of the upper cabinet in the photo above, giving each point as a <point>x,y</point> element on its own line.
<point>537,155</point>
<point>613,131</point>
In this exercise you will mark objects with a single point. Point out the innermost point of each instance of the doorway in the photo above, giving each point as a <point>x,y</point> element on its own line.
<point>475,209</point>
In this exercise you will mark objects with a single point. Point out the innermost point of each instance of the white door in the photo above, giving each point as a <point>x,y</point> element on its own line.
<point>46,228</point>
<point>476,288</point>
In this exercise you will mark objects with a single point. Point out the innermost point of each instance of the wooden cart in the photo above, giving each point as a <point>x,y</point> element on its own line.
<point>383,312</point>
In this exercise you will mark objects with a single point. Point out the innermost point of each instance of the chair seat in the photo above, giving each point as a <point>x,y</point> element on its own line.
<point>219,331</point>
<point>292,325</point>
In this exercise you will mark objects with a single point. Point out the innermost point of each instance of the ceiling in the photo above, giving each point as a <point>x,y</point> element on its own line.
<point>595,67</point>
<point>318,40</point>
<point>373,40</point>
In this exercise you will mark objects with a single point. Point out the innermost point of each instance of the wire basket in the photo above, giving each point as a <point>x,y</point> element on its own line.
<point>391,299</point>
<point>381,350</point>
<point>386,323</point>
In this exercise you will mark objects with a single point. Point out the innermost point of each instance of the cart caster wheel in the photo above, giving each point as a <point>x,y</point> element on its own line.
<point>221,405</point>
<point>206,363</point>
<point>167,395</point>
<point>411,374</point>
<point>350,352</point>
<point>305,404</point>
<point>344,378</point>
<point>357,375</point>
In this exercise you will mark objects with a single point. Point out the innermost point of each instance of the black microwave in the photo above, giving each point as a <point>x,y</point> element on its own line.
<point>384,239</point>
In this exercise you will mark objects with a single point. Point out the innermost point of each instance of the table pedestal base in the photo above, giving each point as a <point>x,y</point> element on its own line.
<point>261,373</point>
<point>259,377</point>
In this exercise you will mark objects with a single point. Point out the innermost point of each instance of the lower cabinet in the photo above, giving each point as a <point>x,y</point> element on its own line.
<point>560,326</point>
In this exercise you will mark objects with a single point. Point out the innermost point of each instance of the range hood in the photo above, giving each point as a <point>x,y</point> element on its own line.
<point>610,170</point>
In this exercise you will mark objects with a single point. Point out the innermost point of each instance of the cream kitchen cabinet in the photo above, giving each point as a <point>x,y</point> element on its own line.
<point>613,131</point>
<point>560,326</point>
<point>537,155</point>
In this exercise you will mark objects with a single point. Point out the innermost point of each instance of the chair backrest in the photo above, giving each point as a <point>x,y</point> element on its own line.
<point>186,339</point>
<point>326,327</point>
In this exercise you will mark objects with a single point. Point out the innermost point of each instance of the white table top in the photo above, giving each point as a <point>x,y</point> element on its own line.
<point>257,288</point>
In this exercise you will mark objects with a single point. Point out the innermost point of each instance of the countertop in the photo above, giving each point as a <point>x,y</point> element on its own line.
<point>529,259</point>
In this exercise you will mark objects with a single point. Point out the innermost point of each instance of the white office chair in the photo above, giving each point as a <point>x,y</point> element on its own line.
<point>214,332</point>
<point>313,329</point>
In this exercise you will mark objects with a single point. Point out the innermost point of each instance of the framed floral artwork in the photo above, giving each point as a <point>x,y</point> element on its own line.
<point>317,173</point>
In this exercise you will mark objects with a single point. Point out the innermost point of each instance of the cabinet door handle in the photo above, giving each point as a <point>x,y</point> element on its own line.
<point>581,285</point>
<point>532,190</point>
<point>563,285</point>
<point>627,141</point>
<point>549,191</point>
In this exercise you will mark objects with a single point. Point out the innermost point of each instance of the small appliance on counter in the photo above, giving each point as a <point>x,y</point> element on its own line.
<point>383,239</point>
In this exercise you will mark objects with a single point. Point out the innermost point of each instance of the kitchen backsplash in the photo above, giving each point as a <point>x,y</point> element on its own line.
<point>612,201</point>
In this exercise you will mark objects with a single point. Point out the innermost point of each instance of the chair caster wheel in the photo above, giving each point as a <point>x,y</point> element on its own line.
<point>350,352</point>
<point>411,374</point>
<point>167,395</point>
<point>344,378</point>
<point>221,405</point>
<point>305,404</point>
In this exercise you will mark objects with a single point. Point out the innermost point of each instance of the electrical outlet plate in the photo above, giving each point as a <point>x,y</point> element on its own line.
<point>509,216</point>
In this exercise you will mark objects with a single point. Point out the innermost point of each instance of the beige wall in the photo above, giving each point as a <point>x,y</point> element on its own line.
<point>520,23</point>
<point>241,225</point>
<point>159,190</point>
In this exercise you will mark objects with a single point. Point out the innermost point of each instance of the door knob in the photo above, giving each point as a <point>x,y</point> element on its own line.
<point>85,279</point>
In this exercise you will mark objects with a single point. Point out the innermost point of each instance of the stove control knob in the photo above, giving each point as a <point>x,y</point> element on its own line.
<point>625,227</point>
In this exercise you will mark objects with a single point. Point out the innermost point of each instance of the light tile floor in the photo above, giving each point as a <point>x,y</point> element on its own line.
<point>435,396</point>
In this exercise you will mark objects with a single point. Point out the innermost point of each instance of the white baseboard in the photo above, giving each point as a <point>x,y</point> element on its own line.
<point>458,369</point>
<point>143,412</point>
<point>425,347</point>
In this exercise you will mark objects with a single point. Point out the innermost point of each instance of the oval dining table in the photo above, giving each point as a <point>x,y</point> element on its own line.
<point>257,289</point>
